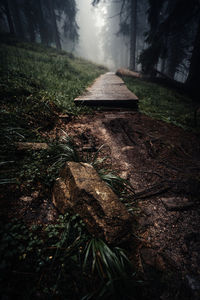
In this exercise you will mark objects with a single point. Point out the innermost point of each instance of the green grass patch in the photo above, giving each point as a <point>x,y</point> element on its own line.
<point>28,69</point>
<point>37,84</point>
<point>163,103</point>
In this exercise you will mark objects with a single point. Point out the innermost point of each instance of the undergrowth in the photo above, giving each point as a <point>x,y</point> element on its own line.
<point>49,260</point>
<point>163,103</point>
<point>34,74</point>
<point>57,260</point>
<point>37,84</point>
<point>61,261</point>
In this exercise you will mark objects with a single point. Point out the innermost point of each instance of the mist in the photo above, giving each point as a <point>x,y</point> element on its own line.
<point>90,21</point>
<point>100,39</point>
<point>117,34</point>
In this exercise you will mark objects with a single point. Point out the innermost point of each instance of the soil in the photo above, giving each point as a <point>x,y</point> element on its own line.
<point>162,163</point>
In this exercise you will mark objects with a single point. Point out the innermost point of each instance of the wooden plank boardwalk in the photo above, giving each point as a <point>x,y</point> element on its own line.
<point>108,90</point>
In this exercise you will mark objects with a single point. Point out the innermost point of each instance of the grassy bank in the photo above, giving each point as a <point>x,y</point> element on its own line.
<point>54,258</point>
<point>43,259</point>
<point>30,70</point>
<point>37,84</point>
<point>164,104</point>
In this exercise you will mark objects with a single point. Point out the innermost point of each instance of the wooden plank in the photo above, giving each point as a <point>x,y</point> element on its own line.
<point>108,90</point>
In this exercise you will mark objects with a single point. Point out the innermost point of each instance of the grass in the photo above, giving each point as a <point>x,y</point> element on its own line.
<point>61,261</point>
<point>51,261</point>
<point>114,270</point>
<point>163,103</point>
<point>40,259</point>
<point>30,72</point>
<point>36,85</point>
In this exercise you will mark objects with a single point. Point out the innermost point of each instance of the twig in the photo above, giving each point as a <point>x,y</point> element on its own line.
<point>160,188</point>
<point>182,150</point>
<point>170,166</point>
<point>138,238</point>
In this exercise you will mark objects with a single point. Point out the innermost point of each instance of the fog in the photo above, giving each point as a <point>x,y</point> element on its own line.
<point>98,39</point>
<point>91,21</point>
<point>114,33</point>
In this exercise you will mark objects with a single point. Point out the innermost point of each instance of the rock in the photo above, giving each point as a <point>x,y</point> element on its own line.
<point>64,117</point>
<point>145,221</point>
<point>31,146</point>
<point>26,198</point>
<point>184,248</point>
<point>148,256</point>
<point>194,285</point>
<point>148,211</point>
<point>30,198</point>
<point>80,188</point>
<point>160,264</point>
<point>165,296</point>
<point>152,258</point>
<point>176,203</point>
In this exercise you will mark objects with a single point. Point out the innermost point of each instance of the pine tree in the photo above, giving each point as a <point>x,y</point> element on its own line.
<point>133,34</point>
<point>193,79</point>
<point>17,18</point>
<point>56,34</point>
<point>5,8</point>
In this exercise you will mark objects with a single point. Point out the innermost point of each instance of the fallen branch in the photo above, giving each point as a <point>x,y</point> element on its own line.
<point>170,166</point>
<point>153,190</point>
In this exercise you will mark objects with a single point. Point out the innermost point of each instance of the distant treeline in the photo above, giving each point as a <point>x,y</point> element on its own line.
<point>163,37</point>
<point>171,44</point>
<point>40,20</point>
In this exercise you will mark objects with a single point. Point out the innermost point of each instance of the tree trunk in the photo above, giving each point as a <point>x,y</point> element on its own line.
<point>55,26</point>
<point>17,19</point>
<point>163,64</point>
<point>133,34</point>
<point>193,79</point>
<point>30,22</point>
<point>175,56</point>
<point>9,17</point>
<point>42,24</point>
<point>31,31</point>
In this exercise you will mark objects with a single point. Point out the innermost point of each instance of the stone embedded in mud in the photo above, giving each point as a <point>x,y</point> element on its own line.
<point>80,188</point>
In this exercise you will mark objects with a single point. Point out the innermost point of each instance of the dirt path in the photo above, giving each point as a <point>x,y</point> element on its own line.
<point>162,162</point>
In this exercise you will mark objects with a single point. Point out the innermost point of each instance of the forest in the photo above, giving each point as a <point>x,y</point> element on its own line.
<point>99,149</point>
<point>162,36</point>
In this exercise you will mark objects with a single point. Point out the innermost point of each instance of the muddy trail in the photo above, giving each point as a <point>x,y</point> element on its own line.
<point>162,163</point>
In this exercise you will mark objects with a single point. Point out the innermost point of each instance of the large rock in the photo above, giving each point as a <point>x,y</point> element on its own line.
<point>80,188</point>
